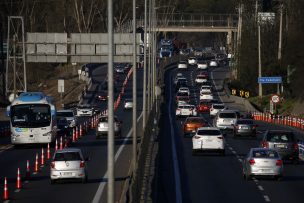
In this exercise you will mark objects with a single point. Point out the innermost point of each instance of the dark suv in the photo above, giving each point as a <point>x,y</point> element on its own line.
<point>284,142</point>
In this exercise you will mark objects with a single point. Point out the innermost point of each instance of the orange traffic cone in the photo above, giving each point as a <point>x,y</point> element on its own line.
<point>28,171</point>
<point>42,157</point>
<point>77,132</point>
<point>65,142</point>
<point>5,193</point>
<point>56,145</point>
<point>36,168</point>
<point>74,135</point>
<point>48,154</point>
<point>61,146</point>
<point>18,183</point>
<point>81,132</point>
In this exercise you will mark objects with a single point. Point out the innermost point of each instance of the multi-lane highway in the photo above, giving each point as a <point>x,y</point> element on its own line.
<point>38,188</point>
<point>182,177</point>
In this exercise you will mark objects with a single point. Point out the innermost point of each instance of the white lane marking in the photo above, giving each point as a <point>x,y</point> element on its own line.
<point>234,152</point>
<point>102,185</point>
<point>230,148</point>
<point>267,199</point>
<point>17,190</point>
<point>240,160</point>
<point>178,193</point>
<point>260,188</point>
<point>6,201</point>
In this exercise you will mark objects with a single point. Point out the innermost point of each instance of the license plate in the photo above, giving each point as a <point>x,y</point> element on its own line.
<point>280,146</point>
<point>245,127</point>
<point>67,173</point>
<point>265,170</point>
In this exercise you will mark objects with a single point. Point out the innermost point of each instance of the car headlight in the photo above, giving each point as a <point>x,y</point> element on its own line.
<point>47,134</point>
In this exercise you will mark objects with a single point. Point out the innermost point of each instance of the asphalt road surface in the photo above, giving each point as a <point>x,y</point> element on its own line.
<point>38,188</point>
<point>182,177</point>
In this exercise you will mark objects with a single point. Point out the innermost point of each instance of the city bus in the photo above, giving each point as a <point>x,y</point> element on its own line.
<point>32,119</point>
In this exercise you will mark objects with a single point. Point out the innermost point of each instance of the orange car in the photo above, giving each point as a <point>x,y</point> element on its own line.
<point>192,124</point>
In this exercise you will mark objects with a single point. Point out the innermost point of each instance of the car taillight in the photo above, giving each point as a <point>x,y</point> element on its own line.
<point>220,137</point>
<point>254,127</point>
<point>295,146</point>
<point>251,162</point>
<point>82,164</point>
<point>237,126</point>
<point>279,162</point>
<point>265,144</point>
<point>197,137</point>
<point>53,164</point>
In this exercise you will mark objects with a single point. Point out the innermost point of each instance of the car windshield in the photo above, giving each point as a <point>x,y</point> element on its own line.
<point>64,114</point>
<point>104,119</point>
<point>201,77</point>
<point>227,115</point>
<point>31,115</point>
<point>264,154</point>
<point>250,122</point>
<point>209,132</point>
<point>67,156</point>
<point>83,107</point>
<point>182,94</point>
<point>280,137</point>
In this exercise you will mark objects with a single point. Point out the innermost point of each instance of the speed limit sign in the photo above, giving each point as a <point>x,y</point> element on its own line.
<point>275,98</point>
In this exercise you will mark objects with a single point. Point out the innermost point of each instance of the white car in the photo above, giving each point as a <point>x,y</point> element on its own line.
<point>84,110</point>
<point>202,65</point>
<point>192,61</point>
<point>206,96</point>
<point>213,63</point>
<point>208,139</point>
<point>184,90</point>
<point>128,104</point>
<point>103,126</point>
<point>68,163</point>
<point>185,110</point>
<point>200,79</point>
<point>205,89</point>
<point>177,78</point>
<point>182,65</point>
<point>69,115</point>
<point>225,119</point>
<point>215,108</point>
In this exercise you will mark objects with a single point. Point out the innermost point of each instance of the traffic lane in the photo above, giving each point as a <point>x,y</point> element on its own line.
<point>218,180</point>
<point>96,170</point>
<point>289,189</point>
<point>166,175</point>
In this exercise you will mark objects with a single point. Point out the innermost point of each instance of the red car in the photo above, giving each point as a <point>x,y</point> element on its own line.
<point>204,106</point>
<point>204,73</point>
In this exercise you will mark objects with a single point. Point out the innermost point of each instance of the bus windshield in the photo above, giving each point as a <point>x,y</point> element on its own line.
<point>31,115</point>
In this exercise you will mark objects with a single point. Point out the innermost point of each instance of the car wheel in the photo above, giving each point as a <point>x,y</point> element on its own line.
<point>278,178</point>
<point>223,152</point>
<point>194,153</point>
<point>52,182</point>
<point>84,180</point>
<point>247,177</point>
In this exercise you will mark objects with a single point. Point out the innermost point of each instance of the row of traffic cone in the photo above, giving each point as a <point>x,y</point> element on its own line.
<point>28,172</point>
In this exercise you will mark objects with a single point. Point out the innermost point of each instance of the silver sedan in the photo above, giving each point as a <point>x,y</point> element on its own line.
<point>262,162</point>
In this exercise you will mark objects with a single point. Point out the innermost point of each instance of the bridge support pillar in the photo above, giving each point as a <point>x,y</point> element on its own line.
<point>229,41</point>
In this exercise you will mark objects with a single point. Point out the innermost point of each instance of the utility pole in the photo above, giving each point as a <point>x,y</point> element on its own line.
<point>111,161</point>
<point>2,71</point>
<point>260,62</point>
<point>14,67</point>
<point>145,71</point>
<point>280,34</point>
<point>134,122</point>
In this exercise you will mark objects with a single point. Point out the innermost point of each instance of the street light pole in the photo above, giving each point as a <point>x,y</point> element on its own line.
<point>260,62</point>
<point>145,71</point>
<point>111,191</point>
<point>134,122</point>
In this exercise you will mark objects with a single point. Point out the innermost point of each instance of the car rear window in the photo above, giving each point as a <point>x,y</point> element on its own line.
<point>67,156</point>
<point>250,122</point>
<point>182,94</point>
<point>265,154</point>
<point>280,137</point>
<point>209,132</point>
<point>218,106</point>
<point>195,120</point>
<point>227,115</point>
<point>201,77</point>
